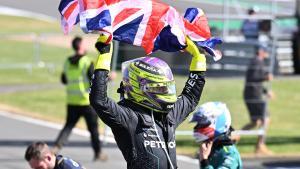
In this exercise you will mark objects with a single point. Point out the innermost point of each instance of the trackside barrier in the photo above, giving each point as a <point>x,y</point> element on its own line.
<point>236,132</point>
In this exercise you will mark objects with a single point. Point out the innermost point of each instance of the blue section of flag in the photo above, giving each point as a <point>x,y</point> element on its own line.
<point>191,14</point>
<point>209,45</point>
<point>77,19</point>
<point>128,32</point>
<point>167,41</point>
<point>99,22</point>
<point>63,4</point>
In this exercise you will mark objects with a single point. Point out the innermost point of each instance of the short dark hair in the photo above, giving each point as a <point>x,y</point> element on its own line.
<point>36,150</point>
<point>76,42</point>
<point>251,11</point>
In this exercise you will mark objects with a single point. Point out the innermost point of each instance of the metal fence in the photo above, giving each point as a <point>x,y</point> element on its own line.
<point>29,59</point>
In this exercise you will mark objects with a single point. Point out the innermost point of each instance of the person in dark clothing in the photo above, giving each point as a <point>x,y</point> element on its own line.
<point>78,70</point>
<point>254,92</point>
<point>145,120</point>
<point>39,156</point>
<point>250,27</point>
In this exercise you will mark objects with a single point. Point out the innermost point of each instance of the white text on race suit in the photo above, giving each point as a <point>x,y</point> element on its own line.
<point>158,144</point>
<point>191,82</point>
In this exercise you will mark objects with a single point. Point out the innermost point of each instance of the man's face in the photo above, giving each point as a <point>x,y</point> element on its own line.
<point>44,163</point>
<point>82,48</point>
<point>263,54</point>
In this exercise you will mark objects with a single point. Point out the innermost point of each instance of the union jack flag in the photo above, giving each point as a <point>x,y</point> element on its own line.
<point>146,23</point>
<point>69,10</point>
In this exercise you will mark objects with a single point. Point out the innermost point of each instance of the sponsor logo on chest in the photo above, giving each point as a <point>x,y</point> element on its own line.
<point>151,140</point>
<point>159,144</point>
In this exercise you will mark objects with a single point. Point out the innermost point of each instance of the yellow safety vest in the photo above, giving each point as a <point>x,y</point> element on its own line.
<point>78,82</point>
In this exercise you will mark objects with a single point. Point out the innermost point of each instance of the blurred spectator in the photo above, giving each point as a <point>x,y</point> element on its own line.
<point>250,26</point>
<point>77,74</point>
<point>39,156</point>
<point>253,96</point>
<point>213,131</point>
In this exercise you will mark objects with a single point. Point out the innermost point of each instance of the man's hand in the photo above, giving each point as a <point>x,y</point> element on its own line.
<point>270,77</point>
<point>199,61</point>
<point>205,149</point>
<point>271,94</point>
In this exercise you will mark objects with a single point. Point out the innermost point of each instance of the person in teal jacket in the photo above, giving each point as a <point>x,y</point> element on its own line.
<point>212,131</point>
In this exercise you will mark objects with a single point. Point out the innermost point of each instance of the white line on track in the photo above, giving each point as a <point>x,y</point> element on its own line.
<point>76,131</point>
<point>4,10</point>
<point>51,125</point>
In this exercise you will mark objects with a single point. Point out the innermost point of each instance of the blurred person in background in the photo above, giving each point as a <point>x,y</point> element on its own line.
<point>213,131</point>
<point>250,26</point>
<point>76,75</point>
<point>254,93</point>
<point>39,156</point>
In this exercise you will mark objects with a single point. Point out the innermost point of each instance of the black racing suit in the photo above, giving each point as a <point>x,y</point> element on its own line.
<point>133,127</point>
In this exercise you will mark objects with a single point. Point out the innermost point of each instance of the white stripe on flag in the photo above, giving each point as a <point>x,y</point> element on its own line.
<point>90,13</point>
<point>174,19</point>
<point>143,26</point>
<point>72,19</point>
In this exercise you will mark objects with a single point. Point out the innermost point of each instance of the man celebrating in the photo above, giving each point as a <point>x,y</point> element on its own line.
<point>78,70</point>
<point>144,121</point>
<point>39,156</point>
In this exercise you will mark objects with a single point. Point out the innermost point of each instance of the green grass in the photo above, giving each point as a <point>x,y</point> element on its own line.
<point>283,136</point>
<point>46,103</point>
<point>13,24</point>
<point>229,90</point>
<point>23,76</point>
<point>14,52</point>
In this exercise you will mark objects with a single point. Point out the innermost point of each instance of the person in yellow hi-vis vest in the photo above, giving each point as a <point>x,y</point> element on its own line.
<point>77,73</point>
